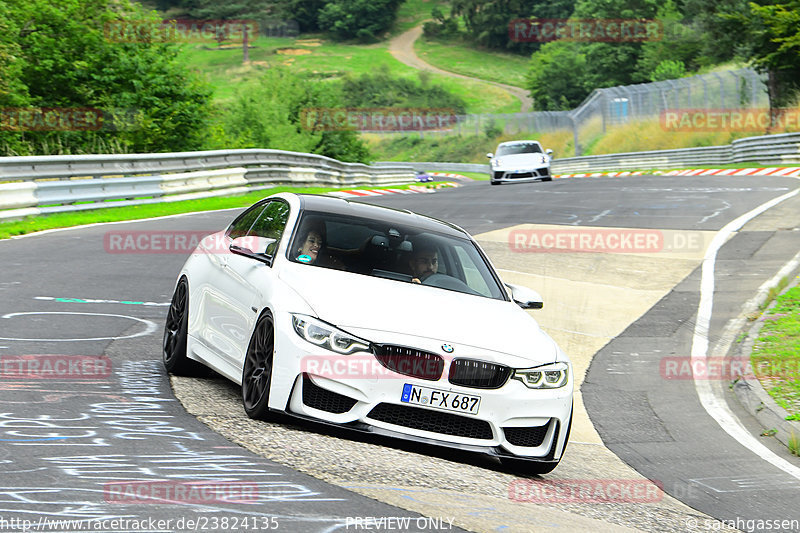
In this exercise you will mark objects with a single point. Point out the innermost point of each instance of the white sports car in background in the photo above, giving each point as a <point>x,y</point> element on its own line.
<point>373,319</point>
<point>519,161</point>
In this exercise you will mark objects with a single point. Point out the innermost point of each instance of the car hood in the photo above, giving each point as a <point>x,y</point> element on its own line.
<point>361,302</point>
<point>520,160</point>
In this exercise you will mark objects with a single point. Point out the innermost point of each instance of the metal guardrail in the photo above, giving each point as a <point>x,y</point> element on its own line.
<point>47,184</point>
<point>781,149</point>
<point>427,166</point>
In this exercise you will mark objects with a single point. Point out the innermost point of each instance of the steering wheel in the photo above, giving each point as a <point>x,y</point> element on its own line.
<point>443,281</point>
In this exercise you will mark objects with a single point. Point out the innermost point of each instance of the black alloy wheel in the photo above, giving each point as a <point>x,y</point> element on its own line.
<point>175,335</point>
<point>257,370</point>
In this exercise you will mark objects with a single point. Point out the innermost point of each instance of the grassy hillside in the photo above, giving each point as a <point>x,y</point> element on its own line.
<point>225,71</point>
<point>457,57</point>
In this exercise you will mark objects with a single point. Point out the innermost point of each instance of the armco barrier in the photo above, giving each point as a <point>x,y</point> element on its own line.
<point>48,184</point>
<point>438,167</point>
<point>781,149</point>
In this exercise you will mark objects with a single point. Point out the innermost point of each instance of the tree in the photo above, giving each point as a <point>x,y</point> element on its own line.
<point>487,21</point>
<point>363,20</point>
<point>556,76</point>
<point>613,63</point>
<point>682,42</point>
<point>63,58</point>
<point>774,47</point>
<point>720,34</point>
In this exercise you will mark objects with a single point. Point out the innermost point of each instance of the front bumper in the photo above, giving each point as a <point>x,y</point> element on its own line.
<point>534,174</point>
<point>512,421</point>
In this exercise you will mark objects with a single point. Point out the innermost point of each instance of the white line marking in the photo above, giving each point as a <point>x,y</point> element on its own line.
<point>150,327</point>
<point>713,405</point>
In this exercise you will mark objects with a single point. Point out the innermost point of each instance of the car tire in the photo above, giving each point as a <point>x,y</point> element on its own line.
<point>521,466</point>
<point>257,368</point>
<point>494,182</point>
<point>547,179</point>
<point>175,335</point>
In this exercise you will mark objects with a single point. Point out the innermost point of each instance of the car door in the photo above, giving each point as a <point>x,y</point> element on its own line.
<point>216,293</point>
<point>249,281</point>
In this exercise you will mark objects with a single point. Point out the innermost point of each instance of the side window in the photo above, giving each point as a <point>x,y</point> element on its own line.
<point>271,223</point>
<point>472,273</point>
<point>241,226</point>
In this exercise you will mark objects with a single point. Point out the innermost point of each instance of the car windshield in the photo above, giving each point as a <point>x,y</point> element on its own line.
<point>391,251</point>
<point>519,148</point>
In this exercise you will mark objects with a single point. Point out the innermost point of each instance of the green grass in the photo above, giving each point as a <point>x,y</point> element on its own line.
<point>451,148</point>
<point>474,175</point>
<point>458,57</point>
<point>116,214</point>
<point>414,12</point>
<point>776,352</point>
<point>225,72</point>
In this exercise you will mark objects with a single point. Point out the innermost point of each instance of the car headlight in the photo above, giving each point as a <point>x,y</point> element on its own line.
<point>322,334</point>
<point>494,163</point>
<point>550,376</point>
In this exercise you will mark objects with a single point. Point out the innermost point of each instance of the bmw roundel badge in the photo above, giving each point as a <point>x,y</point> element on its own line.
<point>447,348</point>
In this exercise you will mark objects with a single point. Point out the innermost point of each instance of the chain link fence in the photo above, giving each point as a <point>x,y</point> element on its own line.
<point>733,89</point>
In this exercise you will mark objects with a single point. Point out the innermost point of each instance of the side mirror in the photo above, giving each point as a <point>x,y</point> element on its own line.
<point>548,151</point>
<point>524,297</point>
<point>258,248</point>
<point>490,155</point>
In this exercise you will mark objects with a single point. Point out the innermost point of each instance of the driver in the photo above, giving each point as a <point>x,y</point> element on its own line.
<point>424,261</point>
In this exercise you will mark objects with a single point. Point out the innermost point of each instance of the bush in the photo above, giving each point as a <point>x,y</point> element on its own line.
<point>363,20</point>
<point>384,90</point>
<point>668,70</point>
<point>271,116</point>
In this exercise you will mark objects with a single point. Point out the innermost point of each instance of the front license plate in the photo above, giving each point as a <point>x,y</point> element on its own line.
<point>441,399</point>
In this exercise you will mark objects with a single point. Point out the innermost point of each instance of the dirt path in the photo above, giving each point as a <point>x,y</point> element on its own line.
<point>402,48</point>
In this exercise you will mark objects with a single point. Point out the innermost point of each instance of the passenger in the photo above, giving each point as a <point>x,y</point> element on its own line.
<point>311,243</point>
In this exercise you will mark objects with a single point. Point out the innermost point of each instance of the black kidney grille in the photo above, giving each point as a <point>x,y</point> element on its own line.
<point>530,437</point>
<point>325,400</point>
<point>410,361</point>
<point>433,421</point>
<point>478,374</point>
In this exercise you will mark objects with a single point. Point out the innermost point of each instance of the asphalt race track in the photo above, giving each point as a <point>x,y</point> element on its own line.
<point>67,442</point>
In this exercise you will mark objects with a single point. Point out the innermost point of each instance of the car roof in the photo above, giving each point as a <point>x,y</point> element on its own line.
<point>517,142</point>
<point>343,206</point>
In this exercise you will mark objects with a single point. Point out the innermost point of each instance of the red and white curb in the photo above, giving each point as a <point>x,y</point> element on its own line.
<point>449,175</point>
<point>605,174</point>
<point>380,192</point>
<point>767,171</point>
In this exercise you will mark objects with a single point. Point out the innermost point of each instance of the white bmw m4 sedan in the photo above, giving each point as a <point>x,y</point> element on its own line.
<point>373,319</point>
